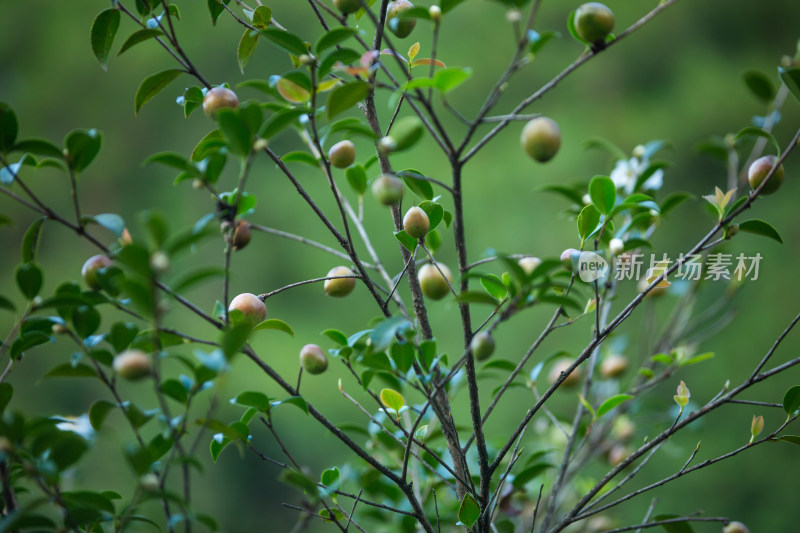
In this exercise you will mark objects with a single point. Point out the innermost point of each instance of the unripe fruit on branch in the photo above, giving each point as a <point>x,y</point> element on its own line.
<point>735,527</point>
<point>241,235</point>
<point>313,359</point>
<point>400,27</point>
<point>347,6</point>
<point>566,258</point>
<point>561,365</point>
<point>132,365</point>
<point>593,22</point>
<point>482,346</point>
<point>217,98</point>
<point>541,139</point>
<point>617,454</point>
<point>623,428</point>
<point>435,12</point>
<point>758,171</point>
<point>251,306</point>
<point>387,189</point>
<point>342,154</point>
<point>90,268</point>
<point>340,287</point>
<point>655,292</point>
<point>616,246</point>
<point>433,284</point>
<point>613,366</point>
<point>529,264</point>
<point>416,222</point>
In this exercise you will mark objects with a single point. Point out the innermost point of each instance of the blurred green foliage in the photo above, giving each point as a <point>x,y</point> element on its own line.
<point>679,79</point>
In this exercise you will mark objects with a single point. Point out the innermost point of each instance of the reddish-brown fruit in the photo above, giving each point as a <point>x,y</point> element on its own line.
<point>132,365</point>
<point>251,306</point>
<point>217,98</point>
<point>241,235</point>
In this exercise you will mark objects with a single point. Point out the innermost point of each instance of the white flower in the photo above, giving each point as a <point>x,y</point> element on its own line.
<point>79,425</point>
<point>654,182</point>
<point>627,172</point>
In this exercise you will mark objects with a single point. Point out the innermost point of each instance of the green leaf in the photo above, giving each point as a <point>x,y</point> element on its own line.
<point>332,38</point>
<point>347,56</point>
<point>7,304</point>
<point>8,127</point>
<point>791,400</point>
<point>603,193</point>
<point>752,131</point>
<point>408,242</point>
<point>529,473</point>
<point>247,46</point>
<point>538,40</point>
<point>30,241</point>
<point>792,439</point>
<point>299,480</point>
<point>357,178</point>
<point>604,144</point>
<point>279,121</point>
<point>286,40</point>
<point>34,146</point>
<point>447,5</point>
<point>6,392</point>
<point>612,402</point>
<point>253,399</point>
<point>494,286</point>
<point>587,221</point>
<point>587,406</point>
<point>274,323</point>
<point>475,297</point>
<point>98,413</point>
<point>759,227</point>
<point>82,147</point>
<point>139,37</point>
<point>469,511</point>
<point>570,193</point>
<point>434,211</point>
<point>85,320</point>
<point>336,336</point>
<point>104,28</point>
<point>346,96</point>
<point>420,187</point>
<point>448,79</point>
<point>152,85</point>
<point>29,279</point>
<point>386,332</point>
<point>791,77</point>
<point>674,200</point>
<point>403,356</point>
<point>300,157</point>
<point>111,221</point>
<point>674,527</point>
<point>330,477</point>
<point>760,85</point>
<point>72,371</point>
<point>392,399</point>
<point>216,8</point>
<point>262,17</point>
<point>233,338</point>
<point>297,401</point>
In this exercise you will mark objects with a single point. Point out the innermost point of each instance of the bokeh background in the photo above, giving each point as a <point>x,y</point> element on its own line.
<point>678,79</point>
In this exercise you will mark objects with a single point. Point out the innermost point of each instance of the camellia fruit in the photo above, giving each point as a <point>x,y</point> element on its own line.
<point>416,222</point>
<point>90,268</point>
<point>561,365</point>
<point>541,139</point>
<point>217,98</point>
<point>735,527</point>
<point>529,264</point>
<point>482,346</point>
<point>402,27</point>
<point>593,22</point>
<point>613,366</point>
<point>387,189</point>
<point>566,258</point>
<point>759,170</point>
<point>433,284</point>
<point>132,365</point>
<point>251,306</point>
<point>347,6</point>
<point>313,359</point>
<point>340,287</point>
<point>342,154</point>
<point>617,454</point>
<point>241,235</point>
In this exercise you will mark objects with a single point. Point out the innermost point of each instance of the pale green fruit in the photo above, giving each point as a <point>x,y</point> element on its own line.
<point>132,365</point>
<point>400,27</point>
<point>759,170</point>
<point>341,287</point>
<point>90,268</point>
<point>313,359</point>
<point>541,139</point>
<point>416,222</point>
<point>342,154</point>
<point>251,306</point>
<point>735,527</point>
<point>433,284</point>
<point>593,22</point>
<point>347,6</point>
<point>217,98</point>
<point>482,346</point>
<point>387,189</point>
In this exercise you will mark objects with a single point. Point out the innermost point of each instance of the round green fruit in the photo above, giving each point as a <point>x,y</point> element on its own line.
<point>347,6</point>
<point>735,527</point>
<point>482,346</point>
<point>342,154</point>
<point>341,287</point>
<point>593,22</point>
<point>541,139</point>
<point>399,26</point>
<point>434,285</point>
<point>241,235</point>
<point>251,306</point>
<point>759,170</point>
<point>313,359</point>
<point>566,258</point>
<point>90,268</point>
<point>387,189</point>
<point>132,365</point>
<point>217,98</point>
<point>416,222</point>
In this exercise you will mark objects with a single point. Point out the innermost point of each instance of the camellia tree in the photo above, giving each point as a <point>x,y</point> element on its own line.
<point>416,463</point>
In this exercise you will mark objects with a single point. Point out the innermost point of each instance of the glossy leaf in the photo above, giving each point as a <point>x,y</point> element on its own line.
<point>139,37</point>
<point>8,127</point>
<point>332,38</point>
<point>357,178</point>
<point>752,131</point>
<point>104,28</point>
<point>674,527</point>
<point>30,241</point>
<point>469,511</point>
<point>448,79</point>
<point>216,8</point>
<point>612,402</point>
<point>791,77</point>
<point>760,85</point>
<point>603,193</point>
<point>247,46</point>
<point>275,324</point>
<point>587,221</point>
<point>257,400</point>
<point>392,399</point>
<point>29,279</point>
<point>262,17</point>
<point>82,147</point>
<point>152,85</point>
<point>346,96</point>
<point>791,400</point>
<point>759,227</point>
<point>98,413</point>
<point>286,40</point>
